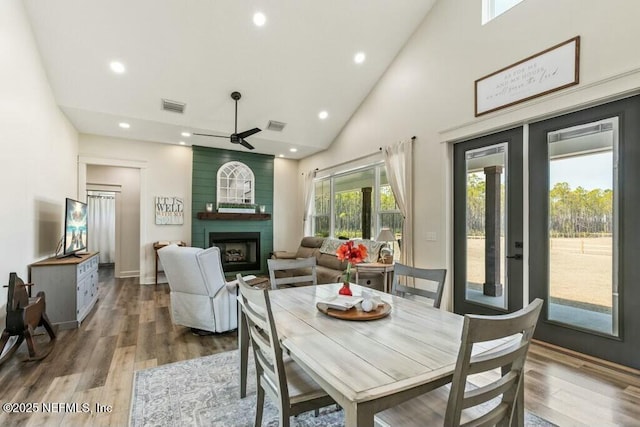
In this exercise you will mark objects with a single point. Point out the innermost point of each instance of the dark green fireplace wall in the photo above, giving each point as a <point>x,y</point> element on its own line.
<point>206,162</point>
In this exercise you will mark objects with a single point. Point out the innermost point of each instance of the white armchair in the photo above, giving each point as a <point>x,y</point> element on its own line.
<point>201,298</point>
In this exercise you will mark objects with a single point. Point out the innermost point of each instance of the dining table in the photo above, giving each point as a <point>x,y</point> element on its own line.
<point>367,366</point>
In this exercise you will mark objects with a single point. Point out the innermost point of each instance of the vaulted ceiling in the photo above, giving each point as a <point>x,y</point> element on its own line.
<point>299,63</point>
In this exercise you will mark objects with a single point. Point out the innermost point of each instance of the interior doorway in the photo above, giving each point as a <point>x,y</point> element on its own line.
<point>102,225</point>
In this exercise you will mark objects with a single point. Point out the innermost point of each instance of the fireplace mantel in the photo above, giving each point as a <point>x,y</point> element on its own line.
<point>234,216</point>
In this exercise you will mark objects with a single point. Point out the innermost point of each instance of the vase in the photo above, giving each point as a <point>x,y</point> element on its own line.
<point>345,290</point>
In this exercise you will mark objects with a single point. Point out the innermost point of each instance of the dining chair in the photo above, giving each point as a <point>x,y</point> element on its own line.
<point>404,271</point>
<point>286,272</point>
<point>490,402</point>
<point>277,375</point>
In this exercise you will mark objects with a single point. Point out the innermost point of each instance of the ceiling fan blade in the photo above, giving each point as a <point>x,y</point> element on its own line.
<point>247,133</point>
<point>246,144</point>
<point>206,134</point>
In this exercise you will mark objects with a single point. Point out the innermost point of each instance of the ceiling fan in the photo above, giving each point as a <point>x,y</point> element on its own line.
<point>235,137</point>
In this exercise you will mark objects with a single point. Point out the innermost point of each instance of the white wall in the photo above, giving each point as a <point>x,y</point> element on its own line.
<point>428,91</point>
<point>165,171</point>
<point>287,206</point>
<point>39,149</point>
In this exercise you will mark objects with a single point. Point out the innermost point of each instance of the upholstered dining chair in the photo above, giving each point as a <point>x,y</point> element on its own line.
<point>277,375</point>
<point>296,272</point>
<point>494,402</point>
<point>200,296</point>
<point>401,271</point>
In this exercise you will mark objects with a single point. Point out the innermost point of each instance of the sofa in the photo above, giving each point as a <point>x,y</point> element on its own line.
<point>329,268</point>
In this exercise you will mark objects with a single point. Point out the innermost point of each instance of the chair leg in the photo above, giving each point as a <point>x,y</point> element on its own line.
<point>259,406</point>
<point>31,345</point>
<point>44,321</point>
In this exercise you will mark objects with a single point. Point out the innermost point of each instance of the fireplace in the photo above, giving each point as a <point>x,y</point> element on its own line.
<point>239,251</point>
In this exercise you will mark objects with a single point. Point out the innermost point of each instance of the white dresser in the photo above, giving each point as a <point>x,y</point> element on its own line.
<point>70,285</point>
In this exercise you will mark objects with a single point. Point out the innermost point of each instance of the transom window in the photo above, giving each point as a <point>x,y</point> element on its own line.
<point>493,8</point>
<point>235,183</point>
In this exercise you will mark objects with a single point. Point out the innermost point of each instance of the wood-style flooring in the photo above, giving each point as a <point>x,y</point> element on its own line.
<point>130,328</point>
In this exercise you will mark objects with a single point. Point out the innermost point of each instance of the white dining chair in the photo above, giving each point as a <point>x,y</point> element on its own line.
<point>401,271</point>
<point>292,272</point>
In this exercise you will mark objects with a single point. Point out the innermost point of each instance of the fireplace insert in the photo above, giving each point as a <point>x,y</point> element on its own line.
<point>239,251</point>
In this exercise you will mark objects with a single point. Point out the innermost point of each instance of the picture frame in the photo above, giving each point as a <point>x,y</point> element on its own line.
<point>553,69</point>
<point>169,210</point>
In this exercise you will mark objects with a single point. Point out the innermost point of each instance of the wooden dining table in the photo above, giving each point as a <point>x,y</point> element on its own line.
<point>366,366</point>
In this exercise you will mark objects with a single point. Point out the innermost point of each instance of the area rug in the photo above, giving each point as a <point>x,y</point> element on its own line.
<point>204,392</point>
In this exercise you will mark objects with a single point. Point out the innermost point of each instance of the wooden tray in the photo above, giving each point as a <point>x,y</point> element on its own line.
<point>356,312</point>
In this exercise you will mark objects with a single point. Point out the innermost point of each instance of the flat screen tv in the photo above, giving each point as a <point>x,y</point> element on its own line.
<point>75,227</point>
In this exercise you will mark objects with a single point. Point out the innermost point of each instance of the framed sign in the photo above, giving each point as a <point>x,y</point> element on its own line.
<point>548,71</point>
<point>169,210</point>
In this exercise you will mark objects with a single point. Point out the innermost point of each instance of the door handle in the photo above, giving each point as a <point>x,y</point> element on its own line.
<point>516,256</point>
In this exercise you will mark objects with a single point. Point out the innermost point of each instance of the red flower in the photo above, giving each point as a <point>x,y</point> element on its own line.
<point>350,253</point>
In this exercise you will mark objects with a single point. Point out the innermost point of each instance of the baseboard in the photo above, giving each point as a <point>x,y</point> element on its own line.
<point>127,274</point>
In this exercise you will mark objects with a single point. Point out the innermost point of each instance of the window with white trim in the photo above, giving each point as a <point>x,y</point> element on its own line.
<point>338,203</point>
<point>493,8</point>
<point>235,183</point>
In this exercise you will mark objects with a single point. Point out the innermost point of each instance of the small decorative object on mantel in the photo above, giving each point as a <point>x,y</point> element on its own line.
<point>353,255</point>
<point>237,208</point>
<point>209,207</point>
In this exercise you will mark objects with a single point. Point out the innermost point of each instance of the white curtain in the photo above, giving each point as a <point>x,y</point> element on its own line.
<point>308,199</point>
<point>102,226</point>
<point>398,160</point>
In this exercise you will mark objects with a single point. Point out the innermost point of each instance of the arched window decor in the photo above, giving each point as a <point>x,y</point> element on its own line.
<point>235,183</point>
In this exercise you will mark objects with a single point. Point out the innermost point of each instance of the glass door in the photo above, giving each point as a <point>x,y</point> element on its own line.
<point>583,229</point>
<point>488,224</point>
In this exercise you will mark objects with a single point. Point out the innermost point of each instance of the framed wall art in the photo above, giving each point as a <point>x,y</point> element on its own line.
<point>169,210</point>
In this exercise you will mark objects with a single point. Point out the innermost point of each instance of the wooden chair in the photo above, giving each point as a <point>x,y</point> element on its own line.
<point>24,314</point>
<point>463,403</point>
<point>404,271</point>
<point>278,376</point>
<point>308,265</point>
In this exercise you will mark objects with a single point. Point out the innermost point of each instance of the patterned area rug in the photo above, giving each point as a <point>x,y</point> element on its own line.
<point>204,392</point>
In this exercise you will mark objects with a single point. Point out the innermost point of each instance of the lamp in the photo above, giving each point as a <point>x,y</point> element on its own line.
<point>387,236</point>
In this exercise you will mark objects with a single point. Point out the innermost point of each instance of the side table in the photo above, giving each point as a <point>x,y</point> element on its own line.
<point>161,244</point>
<point>377,267</point>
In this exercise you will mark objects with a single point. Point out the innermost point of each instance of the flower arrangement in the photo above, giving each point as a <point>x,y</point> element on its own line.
<point>353,255</point>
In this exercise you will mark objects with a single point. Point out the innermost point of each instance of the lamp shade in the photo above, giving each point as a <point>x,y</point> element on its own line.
<point>386,236</point>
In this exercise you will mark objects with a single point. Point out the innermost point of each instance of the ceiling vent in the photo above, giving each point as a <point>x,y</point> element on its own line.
<point>173,106</point>
<point>275,126</point>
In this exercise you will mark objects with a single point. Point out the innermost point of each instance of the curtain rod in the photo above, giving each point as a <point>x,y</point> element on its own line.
<point>353,160</point>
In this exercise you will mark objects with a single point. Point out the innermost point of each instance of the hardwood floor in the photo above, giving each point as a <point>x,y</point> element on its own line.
<point>131,329</point>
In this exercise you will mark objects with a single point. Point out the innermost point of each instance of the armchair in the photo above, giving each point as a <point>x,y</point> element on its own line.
<point>201,298</point>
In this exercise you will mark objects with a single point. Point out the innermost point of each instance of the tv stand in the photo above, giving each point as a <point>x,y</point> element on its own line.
<point>71,286</point>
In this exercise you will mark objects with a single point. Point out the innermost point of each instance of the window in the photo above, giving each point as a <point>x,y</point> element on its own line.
<point>493,8</point>
<point>235,183</point>
<point>338,207</point>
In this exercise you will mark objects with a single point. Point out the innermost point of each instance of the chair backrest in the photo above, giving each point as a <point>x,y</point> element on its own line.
<point>308,265</point>
<point>401,271</point>
<point>256,306</point>
<point>510,357</point>
<point>192,270</point>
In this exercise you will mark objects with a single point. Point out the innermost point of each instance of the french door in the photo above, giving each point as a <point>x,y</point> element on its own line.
<point>488,240</point>
<point>584,233</point>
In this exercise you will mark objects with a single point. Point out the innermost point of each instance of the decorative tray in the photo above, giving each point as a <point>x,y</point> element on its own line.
<point>356,313</point>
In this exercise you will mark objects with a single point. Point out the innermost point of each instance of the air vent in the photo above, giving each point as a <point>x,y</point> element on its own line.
<point>173,106</point>
<point>275,126</point>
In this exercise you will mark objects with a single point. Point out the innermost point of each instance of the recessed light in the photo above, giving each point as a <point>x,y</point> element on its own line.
<point>293,150</point>
<point>182,143</point>
<point>117,67</point>
<point>259,19</point>
<point>359,58</point>
<point>280,155</point>
<point>124,125</point>
<point>186,134</point>
<point>323,115</point>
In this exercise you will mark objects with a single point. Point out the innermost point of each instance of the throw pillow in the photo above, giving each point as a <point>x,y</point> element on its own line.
<point>373,249</point>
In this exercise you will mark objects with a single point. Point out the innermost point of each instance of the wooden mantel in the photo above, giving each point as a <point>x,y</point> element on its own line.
<point>234,216</point>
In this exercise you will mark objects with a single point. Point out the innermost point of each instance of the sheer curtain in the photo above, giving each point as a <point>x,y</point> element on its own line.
<point>308,199</point>
<point>398,160</point>
<point>102,226</point>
